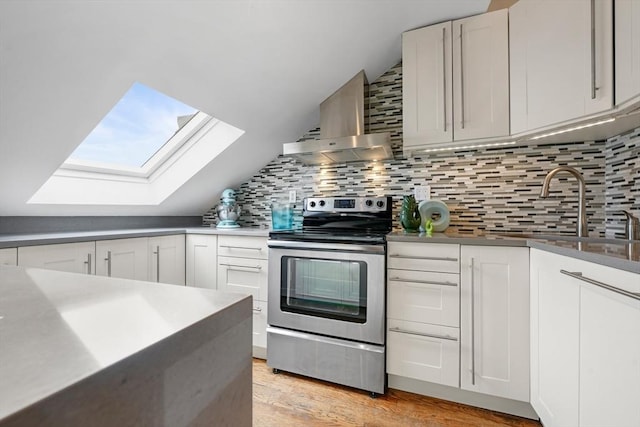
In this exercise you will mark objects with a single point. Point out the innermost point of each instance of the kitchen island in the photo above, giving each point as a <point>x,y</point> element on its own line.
<point>89,350</point>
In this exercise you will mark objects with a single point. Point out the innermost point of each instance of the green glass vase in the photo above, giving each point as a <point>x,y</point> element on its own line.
<point>409,214</point>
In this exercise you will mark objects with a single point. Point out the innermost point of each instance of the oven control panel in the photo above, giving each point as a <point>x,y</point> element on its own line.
<point>347,204</point>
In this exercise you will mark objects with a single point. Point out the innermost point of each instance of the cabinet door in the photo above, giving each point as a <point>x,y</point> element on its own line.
<point>123,258</point>
<point>243,275</point>
<point>69,257</point>
<point>167,259</point>
<point>423,352</point>
<point>201,260</point>
<point>494,321</point>
<point>558,71</point>
<point>481,76</point>
<point>259,329</point>
<point>9,256</point>
<point>427,86</point>
<point>627,41</point>
<point>555,329</point>
<point>609,348</point>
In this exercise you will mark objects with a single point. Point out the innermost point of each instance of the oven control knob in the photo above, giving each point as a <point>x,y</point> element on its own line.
<point>321,202</point>
<point>369,202</point>
<point>312,204</point>
<point>380,203</point>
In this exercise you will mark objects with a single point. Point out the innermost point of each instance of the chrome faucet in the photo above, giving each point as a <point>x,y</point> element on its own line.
<point>581,226</point>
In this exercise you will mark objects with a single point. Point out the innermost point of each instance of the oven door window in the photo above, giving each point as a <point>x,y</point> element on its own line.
<point>329,288</point>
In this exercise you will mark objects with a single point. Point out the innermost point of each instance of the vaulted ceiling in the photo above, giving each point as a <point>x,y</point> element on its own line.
<point>263,66</point>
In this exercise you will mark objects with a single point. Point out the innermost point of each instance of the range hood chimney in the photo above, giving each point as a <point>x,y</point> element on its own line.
<point>342,130</point>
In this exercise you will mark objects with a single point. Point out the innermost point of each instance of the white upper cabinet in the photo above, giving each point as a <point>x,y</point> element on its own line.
<point>69,257</point>
<point>167,259</point>
<point>561,61</point>
<point>455,81</point>
<point>427,112</point>
<point>627,41</point>
<point>481,76</point>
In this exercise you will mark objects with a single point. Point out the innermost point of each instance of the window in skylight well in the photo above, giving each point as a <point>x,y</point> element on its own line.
<point>136,128</point>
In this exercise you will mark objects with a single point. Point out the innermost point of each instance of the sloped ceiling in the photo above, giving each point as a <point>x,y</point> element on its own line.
<point>262,65</point>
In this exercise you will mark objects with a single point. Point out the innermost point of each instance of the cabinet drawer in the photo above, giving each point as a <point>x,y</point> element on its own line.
<point>444,258</point>
<point>243,246</point>
<point>425,297</point>
<point>243,275</point>
<point>423,352</point>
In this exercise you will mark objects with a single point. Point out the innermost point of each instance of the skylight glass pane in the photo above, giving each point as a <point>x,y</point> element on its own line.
<point>135,128</point>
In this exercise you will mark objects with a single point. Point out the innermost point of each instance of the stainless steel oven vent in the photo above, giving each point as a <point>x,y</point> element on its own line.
<point>342,130</point>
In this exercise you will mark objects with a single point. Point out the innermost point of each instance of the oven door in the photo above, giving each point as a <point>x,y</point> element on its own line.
<point>336,290</point>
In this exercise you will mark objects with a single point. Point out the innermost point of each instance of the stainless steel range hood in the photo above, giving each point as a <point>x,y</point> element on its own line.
<point>342,130</point>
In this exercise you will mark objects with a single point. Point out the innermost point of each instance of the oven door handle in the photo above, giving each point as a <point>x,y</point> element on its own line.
<point>342,247</point>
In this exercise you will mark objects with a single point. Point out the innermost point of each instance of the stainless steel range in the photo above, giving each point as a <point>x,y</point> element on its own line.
<point>326,309</point>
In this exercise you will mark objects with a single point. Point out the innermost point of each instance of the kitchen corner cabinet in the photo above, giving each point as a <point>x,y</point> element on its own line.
<point>123,258</point>
<point>494,321</point>
<point>585,343</point>
<point>70,257</point>
<point>9,256</point>
<point>167,259</point>
<point>456,81</point>
<point>423,303</point>
<point>561,61</point>
<point>627,50</point>
<point>243,267</point>
<point>201,260</point>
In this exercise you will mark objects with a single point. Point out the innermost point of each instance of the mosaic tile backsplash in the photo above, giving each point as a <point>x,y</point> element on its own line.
<point>488,190</point>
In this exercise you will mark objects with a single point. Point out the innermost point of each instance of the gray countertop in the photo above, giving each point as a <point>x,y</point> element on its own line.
<point>15,240</point>
<point>621,254</point>
<point>57,328</point>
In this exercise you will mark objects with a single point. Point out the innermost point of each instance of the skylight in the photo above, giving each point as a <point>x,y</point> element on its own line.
<point>141,123</point>
<point>143,150</point>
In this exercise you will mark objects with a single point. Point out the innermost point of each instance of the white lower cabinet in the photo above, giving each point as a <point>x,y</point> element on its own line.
<point>9,256</point>
<point>423,351</point>
<point>201,260</point>
<point>260,328</point>
<point>423,309</point>
<point>243,268</point>
<point>585,346</point>
<point>167,259</point>
<point>494,321</point>
<point>123,258</point>
<point>70,257</point>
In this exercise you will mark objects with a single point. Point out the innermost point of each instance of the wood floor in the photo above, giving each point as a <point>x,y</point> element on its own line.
<point>290,400</point>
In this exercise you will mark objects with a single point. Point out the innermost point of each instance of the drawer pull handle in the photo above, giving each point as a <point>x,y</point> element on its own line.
<point>236,266</point>
<point>422,334</point>
<point>425,282</point>
<point>241,247</point>
<point>257,309</point>
<point>578,275</point>
<point>429,258</point>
